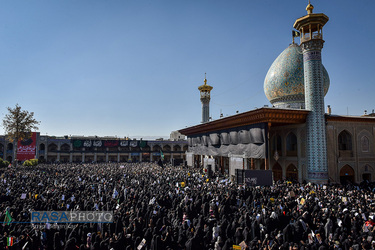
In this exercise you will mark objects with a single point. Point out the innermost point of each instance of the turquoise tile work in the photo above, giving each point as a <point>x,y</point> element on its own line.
<point>316,146</point>
<point>284,82</point>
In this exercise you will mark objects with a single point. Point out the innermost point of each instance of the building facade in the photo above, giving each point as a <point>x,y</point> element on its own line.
<point>100,149</point>
<point>299,140</point>
<point>350,150</point>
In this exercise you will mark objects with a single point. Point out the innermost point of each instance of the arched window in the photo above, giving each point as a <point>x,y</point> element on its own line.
<point>146,148</point>
<point>52,147</point>
<point>276,145</point>
<point>291,144</point>
<point>292,172</point>
<point>345,141</point>
<point>365,144</point>
<point>65,148</point>
<point>367,173</point>
<point>277,172</point>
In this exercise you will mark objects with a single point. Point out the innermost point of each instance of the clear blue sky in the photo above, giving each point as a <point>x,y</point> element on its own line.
<point>132,67</point>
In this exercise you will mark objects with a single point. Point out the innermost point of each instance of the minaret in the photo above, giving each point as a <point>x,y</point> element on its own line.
<point>205,90</point>
<point>311,30</point>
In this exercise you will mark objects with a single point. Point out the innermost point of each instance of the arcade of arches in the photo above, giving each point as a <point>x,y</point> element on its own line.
<point>353,149</point>
<point>63,150</point>
<point>347,174</point>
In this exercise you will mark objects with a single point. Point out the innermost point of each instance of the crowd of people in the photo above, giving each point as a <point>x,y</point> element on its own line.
<point>179,208</point>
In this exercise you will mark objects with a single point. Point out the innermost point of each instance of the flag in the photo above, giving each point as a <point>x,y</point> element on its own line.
<point>295,33</point>
<point>9,241</point>
<point>162,155</point>
<point>302,202</point>
<point>7,218</point>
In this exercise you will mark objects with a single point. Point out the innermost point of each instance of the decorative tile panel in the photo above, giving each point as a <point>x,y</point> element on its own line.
<point>316,145</point>
<point>284,82</point>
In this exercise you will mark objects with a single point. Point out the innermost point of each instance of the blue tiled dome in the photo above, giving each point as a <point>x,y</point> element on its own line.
<point>284,82</point>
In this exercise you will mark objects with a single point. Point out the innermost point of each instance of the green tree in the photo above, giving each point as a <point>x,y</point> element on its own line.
<point>18,125</point>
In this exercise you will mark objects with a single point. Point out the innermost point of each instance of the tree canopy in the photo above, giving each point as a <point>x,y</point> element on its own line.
<point>18,124</point>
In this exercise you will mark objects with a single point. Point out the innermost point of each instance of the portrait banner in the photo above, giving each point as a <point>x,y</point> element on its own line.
<point>26,148</point>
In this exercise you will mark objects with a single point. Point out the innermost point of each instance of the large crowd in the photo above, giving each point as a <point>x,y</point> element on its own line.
<point>179,208</point>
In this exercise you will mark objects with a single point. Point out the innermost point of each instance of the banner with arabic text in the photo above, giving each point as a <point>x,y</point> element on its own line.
<point>26,148</point>
<point>88,143</point>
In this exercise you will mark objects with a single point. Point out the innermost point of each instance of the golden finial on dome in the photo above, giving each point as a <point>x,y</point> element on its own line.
<point>309,8</point>
<point>205,86</point>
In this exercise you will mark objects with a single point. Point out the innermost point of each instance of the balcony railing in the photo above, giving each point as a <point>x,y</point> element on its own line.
<point>306,37</point>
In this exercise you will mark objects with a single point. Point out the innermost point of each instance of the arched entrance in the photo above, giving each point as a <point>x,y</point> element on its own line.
<point>41,159</point>
<point>347,174</point>
<point>292,173</point>
<point>277,172</point>
<point>367,173</point>
<point>366,177</point>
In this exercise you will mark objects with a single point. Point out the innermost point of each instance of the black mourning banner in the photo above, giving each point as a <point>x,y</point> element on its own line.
<point>215,140</point>
<point>248,141</point>
<point>244,136</point>
<point>295,33</point>
<point>196,141</point>
<point>205,140</point>
<point>257,135</point>
<point>225,140</point>
<point>258,177</point>
<point>233,137</point>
